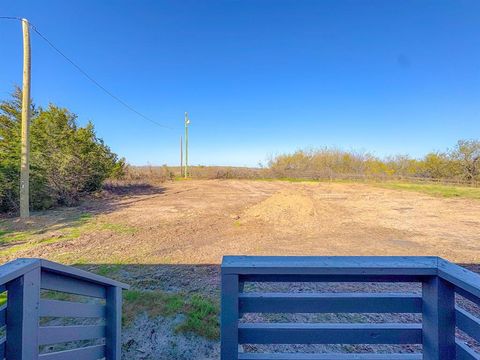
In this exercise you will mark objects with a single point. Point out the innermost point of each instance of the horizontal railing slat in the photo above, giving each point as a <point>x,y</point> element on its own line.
<point>467,295</point>
<point>330,278</point>
<point>329,265</point>
<point>464,352</point>
<point>329,303</point>
<point>468,323</point>
<point>56,308</point>
<point>57,282</point>
<point>337,356</point>
<point>85,353</point>
<point>313,333</point>
<point>73,272</point>
<point>58,334</point>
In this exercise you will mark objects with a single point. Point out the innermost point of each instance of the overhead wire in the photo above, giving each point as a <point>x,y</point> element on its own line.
<point>88,76</point>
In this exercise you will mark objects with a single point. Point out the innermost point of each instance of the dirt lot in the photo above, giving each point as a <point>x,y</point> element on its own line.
<point>196,222</point>
<point>172,238</point>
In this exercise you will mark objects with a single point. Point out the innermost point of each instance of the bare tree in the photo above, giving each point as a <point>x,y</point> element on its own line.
<point>467,153</point>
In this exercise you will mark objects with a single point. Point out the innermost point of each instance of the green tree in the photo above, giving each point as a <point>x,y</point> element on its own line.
<point>67,161</point>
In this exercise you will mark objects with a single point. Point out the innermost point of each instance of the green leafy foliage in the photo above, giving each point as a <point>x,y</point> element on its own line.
<point>67,160</point>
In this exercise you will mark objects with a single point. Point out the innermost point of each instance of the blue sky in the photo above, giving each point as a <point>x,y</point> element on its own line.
<point>257,77</point>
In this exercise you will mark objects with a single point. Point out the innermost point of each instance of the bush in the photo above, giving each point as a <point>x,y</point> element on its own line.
<point>462,164</point>
<point>66,160</point>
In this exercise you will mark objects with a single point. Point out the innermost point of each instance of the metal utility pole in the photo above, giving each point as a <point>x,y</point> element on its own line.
<point>181,156</point>
<point>25,147</point>
<point>187,121</point>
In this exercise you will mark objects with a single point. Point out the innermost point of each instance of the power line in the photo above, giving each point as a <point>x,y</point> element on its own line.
<point>88,76</point>
<point>10,18</point>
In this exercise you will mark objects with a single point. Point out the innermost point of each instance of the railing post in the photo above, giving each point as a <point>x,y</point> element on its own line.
<point>113,339</point>
<point>438,317</point>
<point>229,317</point>
<point>22,316</point>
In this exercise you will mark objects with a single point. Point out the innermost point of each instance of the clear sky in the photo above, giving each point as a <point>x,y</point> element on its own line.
<point>257,77</point>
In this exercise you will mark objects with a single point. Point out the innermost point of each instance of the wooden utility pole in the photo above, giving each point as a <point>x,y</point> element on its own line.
<point>181,156</point>
<point>25,147</point>
<point>187,121</point>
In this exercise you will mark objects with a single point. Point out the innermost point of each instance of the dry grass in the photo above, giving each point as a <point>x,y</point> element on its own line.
<point>440,190</point>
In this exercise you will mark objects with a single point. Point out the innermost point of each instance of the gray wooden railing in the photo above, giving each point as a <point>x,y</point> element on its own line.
<point>20,317</point>
<point>440,280</point>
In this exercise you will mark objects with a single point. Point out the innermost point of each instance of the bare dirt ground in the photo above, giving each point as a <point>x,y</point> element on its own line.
<point>196,222</point>
<point>173,237</point>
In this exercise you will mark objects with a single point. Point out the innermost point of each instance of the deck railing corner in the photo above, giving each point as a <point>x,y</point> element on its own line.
<point>24,279</point>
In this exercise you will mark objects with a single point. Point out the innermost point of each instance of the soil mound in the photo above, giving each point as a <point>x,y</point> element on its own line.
<point>286,208</point>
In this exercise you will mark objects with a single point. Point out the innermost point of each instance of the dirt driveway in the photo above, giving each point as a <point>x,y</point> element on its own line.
<point>196,222</point>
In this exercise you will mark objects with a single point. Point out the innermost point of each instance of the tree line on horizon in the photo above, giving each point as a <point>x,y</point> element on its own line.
<point>460,164</point>
<point>67,161</point>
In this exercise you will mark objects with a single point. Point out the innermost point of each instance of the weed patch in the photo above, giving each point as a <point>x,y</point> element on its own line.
<point>201,314</point>
<point>201,318</point>
<point>154,303</point>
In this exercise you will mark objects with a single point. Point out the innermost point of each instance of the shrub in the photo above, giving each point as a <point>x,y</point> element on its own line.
<point>459,165</point>
<point>66,160</point>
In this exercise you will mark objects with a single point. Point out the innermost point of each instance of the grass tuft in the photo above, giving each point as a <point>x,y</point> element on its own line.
<point>154,303</point>
<point>201,318</point>
<point>201,313</point>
